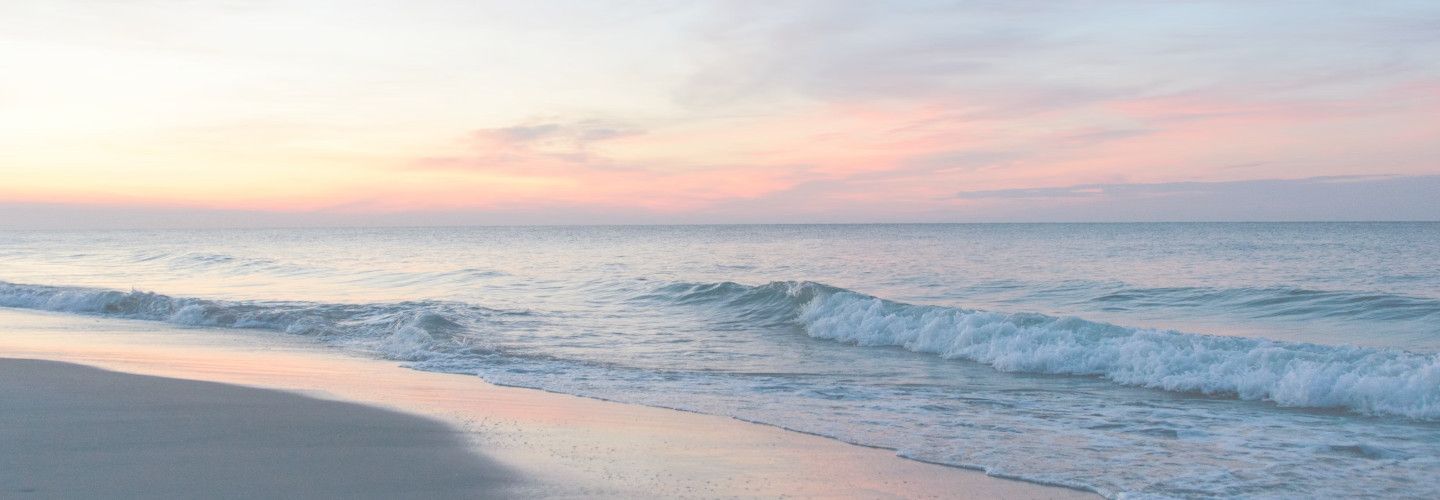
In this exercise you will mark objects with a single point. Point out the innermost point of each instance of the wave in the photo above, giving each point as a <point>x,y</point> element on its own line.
<point>413,331</point>
<point>1365,380</point>
<point>245,266</point>
<point>221,263</point>
<point>1279,302</point>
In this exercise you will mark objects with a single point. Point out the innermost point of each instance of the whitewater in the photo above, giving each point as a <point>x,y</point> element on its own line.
<point>1136,360</point>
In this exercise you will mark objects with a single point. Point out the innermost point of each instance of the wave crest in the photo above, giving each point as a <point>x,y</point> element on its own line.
<point>414,330</point>
<point>1361,379</point>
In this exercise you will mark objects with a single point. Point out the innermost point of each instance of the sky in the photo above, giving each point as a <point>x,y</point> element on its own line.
<point>304,112</point>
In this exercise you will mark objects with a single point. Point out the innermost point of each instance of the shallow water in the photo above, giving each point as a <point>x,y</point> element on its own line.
<point>1144,359</point>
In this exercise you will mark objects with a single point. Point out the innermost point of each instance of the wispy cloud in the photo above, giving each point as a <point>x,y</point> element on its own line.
<point>1361,197</point>
<point>1164,188</point>
<point>535,147</point>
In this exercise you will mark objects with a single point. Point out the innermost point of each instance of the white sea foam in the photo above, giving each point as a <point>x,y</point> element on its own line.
<point>1366,380</point>
<point>407,331</point>
<point>1362,379</point>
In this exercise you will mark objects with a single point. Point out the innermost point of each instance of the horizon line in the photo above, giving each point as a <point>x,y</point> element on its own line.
<point>717,224</point>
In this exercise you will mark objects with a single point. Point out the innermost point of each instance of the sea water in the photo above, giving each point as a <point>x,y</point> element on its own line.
<point>1141,360</point>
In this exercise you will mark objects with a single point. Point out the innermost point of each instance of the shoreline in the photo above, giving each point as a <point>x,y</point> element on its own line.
<point>561,445</point>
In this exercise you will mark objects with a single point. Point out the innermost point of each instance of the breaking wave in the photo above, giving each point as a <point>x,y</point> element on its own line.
<point>1362,379</point>
<point>414,330</point>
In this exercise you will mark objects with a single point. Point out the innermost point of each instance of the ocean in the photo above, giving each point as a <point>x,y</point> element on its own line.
<point>1138,360</point>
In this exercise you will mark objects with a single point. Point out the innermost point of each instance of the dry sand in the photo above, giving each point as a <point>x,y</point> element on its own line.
<point>528,443</point>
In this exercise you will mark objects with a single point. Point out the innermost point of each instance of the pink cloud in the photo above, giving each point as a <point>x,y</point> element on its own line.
<point>887,154</point>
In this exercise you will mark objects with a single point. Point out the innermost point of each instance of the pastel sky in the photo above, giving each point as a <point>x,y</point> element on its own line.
<point>307,112</point>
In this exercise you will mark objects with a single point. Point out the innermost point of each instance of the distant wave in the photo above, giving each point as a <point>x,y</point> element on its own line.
<point>1279,302</point>
<point>221,263</point>
<point>234,265</point>
<point>1365,380</point>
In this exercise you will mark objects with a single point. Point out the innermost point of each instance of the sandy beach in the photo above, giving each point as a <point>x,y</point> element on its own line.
<point>719,249</point>
<point>295,419</point>
<point>72,431</point>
